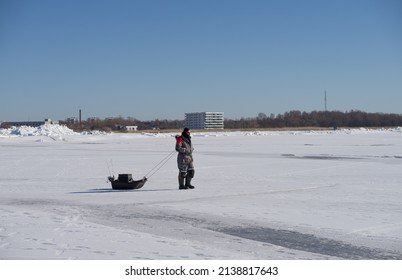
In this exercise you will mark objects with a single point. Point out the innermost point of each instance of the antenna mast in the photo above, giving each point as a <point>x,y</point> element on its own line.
<point>325,100</point>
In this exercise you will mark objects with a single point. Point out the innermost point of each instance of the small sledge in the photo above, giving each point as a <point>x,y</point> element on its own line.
<point>126,182</point>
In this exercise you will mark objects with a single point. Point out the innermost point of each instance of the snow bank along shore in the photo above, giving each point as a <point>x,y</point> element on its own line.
<point>58,131</point>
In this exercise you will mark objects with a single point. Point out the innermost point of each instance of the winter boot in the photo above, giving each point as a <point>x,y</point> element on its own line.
<point>188,182</point>
<point>181,184</point>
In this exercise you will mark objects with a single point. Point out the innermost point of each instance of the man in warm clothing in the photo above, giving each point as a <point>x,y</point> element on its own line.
<point>185,159</point>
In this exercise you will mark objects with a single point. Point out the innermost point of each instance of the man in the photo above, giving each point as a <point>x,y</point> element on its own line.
<point>185,159</point>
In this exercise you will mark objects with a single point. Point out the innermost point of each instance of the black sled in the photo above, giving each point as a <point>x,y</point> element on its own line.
<point>126,182</point>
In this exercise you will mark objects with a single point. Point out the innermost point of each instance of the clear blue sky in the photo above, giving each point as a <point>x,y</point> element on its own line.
<point>151,59</point>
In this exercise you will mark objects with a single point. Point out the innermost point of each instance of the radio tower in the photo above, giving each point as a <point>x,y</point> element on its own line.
<point>325,100</point>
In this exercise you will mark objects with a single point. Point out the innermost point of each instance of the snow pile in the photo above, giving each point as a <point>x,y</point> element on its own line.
<point>54,131</point>
<point>50,130</point>
<point>94,132</point>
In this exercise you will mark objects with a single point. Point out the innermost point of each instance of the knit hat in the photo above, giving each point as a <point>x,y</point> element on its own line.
<point>186,133</point>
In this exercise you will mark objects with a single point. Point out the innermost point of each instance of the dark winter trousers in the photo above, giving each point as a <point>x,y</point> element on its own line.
<point>186,173</point>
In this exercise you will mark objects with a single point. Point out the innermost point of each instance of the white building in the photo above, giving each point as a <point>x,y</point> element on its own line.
<point>205,120</point>
<point>131,128</point>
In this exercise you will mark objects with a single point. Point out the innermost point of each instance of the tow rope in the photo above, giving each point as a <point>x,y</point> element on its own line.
<point>159,165</point>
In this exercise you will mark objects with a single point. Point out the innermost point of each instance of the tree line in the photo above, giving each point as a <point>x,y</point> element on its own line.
<point>322,119</point>
<point>291,119</point>
<point>120,123</point>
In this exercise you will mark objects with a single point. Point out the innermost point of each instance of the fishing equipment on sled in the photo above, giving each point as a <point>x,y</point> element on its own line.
<point>126,182</point>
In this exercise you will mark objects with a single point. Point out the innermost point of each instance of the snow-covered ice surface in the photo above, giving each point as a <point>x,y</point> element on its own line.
<point>259,195</point>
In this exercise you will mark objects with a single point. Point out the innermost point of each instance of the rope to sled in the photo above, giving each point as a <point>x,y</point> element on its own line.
<point>159,165</point>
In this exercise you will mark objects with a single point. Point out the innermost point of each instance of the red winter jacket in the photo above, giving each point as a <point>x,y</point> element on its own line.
<point>185,149</point>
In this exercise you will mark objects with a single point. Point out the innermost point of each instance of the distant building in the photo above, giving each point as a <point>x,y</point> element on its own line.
<point>126,127</point>
<point>72,120</point>
<point>30,123</point>
<point>204,120</point>
<point>131,128</point>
